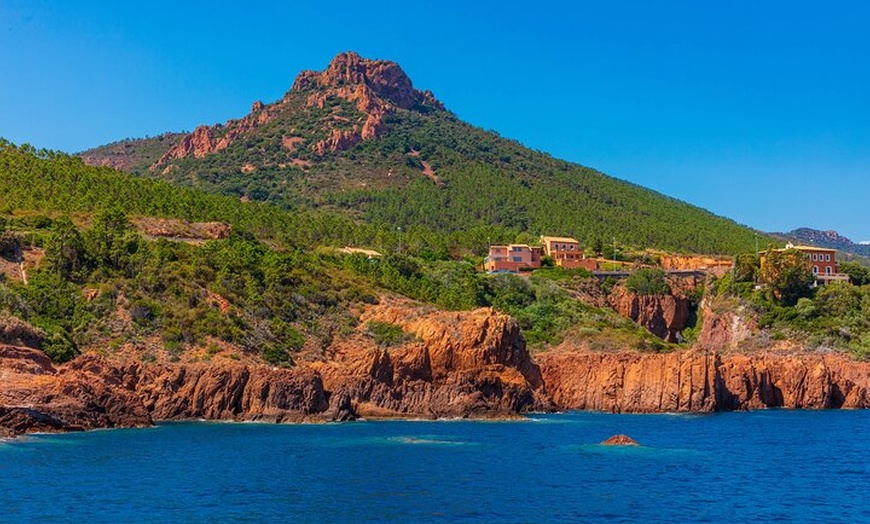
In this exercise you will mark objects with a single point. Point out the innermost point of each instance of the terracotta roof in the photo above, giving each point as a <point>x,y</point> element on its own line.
<point>559,239</point>
<point>803,248</point>
<point>812,248</point>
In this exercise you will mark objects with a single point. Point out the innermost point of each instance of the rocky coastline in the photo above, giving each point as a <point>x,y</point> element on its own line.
<point>458,365</point>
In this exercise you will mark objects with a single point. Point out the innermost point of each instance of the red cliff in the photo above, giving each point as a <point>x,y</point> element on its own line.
<point>663,315</point>
<point>701,381</point>
<point>460,365</point>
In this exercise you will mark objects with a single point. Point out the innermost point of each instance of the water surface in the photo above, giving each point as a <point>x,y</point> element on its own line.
<point>788,466</point>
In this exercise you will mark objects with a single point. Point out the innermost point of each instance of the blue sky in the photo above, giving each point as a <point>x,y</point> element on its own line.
<point>759,111</point>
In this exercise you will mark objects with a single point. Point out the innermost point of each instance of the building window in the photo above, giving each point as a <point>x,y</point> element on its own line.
<point>828,257</point>
<point>828,270</point>
<point>815,270</point>
<point>815,257</point>
<point>517,259</point>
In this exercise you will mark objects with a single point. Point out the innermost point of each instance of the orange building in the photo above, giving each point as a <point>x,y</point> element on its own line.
<point>566,252</point>
<point>822,261</point>
<point>512,258</point>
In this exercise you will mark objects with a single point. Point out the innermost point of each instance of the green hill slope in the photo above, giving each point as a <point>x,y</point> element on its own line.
<point>258,295</point>
<point>358,139</point>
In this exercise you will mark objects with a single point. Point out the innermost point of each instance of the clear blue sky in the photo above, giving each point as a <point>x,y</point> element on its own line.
<point>759,111</point>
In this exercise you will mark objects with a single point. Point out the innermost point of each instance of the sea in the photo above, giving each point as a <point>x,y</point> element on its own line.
<point>761,466</point>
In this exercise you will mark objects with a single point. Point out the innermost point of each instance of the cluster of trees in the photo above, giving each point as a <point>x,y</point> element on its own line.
<point>236,290</point>
<point>648,281</point>
<point>834,315</point>
<point>545,310</point>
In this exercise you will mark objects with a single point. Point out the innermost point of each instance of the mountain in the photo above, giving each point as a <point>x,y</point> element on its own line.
<point>359,139</point>
<point>829,239</point>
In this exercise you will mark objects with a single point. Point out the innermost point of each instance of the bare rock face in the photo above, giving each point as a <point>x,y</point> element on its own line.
<point>380,81</point>
<point>226,392</point>
<point>36,396</point>
<point>376,88</point>
<point>16,332</point>
<point>463,364</point>
<point>663,315</point>
<point>725,328</point>
<point>700,381</point>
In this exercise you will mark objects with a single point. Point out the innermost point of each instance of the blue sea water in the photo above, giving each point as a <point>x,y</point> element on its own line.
<point>764,466</point>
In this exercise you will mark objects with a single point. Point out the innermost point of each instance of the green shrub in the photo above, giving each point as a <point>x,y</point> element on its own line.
<point>648,281</point>
<point>387,334</point>
<point>59,347</point>
<point>276,355</point>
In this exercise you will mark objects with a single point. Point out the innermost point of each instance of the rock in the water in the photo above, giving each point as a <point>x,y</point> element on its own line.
<point>620,440</point>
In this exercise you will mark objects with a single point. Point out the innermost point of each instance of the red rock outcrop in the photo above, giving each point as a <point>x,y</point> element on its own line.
<point>375,87</point>
<point>206,140</point>
<point>664,315</point>
<point>36,396</point>
<point>370,83</point>
<point>701,381</point>
<point>463,364</point>
<point>620,440</point>
<point>226,392</point>
<point>725,328</point>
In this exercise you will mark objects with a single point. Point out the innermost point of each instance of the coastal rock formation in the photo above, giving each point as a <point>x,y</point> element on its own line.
<point>450,364</point>
<point>663,315</point>
<point>226,392</point>
<point>620,440</point>
<point>462,364</point>
<point>702,381</point>
<point>36,396</point>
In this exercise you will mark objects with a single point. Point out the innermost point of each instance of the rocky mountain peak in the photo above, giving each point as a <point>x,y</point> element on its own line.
<point>385,79</point>
<point>376,88</point>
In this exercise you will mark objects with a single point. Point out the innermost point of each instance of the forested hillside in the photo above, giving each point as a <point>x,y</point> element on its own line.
<point>358,139</point>
<point>270,291</point>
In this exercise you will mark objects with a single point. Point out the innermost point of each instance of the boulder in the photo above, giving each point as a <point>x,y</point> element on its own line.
<point>620,440</point>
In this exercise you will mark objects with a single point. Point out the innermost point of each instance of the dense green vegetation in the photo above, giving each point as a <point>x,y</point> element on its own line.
<point>386,334</point>
<point>787,305</point>
<point>55,183</point>
<point>831,317</point>
<point>235,290</point>
<point>102,285</point>
<point>648,281</point>
<point>787,274</point>
<point>485,188</point>
<point>859,274</point>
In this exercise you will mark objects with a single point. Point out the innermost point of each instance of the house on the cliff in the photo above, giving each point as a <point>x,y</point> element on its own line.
<point>823,263</point>
<point>512,258</point>
<point>566,253</point>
